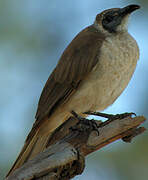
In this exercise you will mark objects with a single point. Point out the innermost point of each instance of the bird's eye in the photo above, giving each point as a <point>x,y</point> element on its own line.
<point>108,19</point>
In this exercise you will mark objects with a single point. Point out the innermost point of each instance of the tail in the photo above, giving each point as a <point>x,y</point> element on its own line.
<point>36,142</point>
<point>31,148</point>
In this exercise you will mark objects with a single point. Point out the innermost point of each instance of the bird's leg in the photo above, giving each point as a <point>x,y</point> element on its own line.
<point>86,123</point>
<point>110,116</point>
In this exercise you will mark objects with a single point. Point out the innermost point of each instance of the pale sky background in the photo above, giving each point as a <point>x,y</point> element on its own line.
<point>33,34</point>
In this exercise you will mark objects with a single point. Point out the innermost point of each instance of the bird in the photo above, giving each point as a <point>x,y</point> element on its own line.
<point>90,75</point>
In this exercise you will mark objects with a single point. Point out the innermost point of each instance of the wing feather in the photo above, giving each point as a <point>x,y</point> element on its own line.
<point>76,62</point>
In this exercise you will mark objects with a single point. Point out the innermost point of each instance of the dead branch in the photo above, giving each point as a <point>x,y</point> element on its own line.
<point>64,158</point>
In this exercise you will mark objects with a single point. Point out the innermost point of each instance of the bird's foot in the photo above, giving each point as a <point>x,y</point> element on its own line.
<point>121,116</point>
<point>85,124</point>
<point>111,116</point>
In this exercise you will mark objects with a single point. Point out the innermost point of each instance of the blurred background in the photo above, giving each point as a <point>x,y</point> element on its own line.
<point>33,34</point>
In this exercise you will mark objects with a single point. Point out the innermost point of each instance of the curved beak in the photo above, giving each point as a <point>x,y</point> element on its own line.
<point>128,9</point>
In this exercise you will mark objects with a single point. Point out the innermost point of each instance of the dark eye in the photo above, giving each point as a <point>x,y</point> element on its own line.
<point>108,19</point>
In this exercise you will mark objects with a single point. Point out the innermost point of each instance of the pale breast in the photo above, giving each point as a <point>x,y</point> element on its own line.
<point>117,62</point>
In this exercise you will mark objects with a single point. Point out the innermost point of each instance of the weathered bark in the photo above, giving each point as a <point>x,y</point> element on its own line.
<point>64,158</point>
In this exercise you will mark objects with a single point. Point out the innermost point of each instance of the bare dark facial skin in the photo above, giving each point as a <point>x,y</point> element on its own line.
<point>113,18</point>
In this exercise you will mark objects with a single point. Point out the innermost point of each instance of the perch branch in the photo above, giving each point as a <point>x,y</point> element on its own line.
<point>64,158</point>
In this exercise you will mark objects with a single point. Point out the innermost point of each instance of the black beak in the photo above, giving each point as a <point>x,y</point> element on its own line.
<point>128,9</point>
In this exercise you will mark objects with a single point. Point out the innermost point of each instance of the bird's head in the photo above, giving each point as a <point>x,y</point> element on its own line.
<point>114,20</point>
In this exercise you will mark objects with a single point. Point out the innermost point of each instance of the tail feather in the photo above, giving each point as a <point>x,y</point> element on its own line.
<point>38,139</point>
<point>30,149</point>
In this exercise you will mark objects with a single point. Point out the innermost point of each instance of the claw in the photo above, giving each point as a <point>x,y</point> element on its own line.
<point>110,116</point>
<point>87,124</point>
<point>121,116</point>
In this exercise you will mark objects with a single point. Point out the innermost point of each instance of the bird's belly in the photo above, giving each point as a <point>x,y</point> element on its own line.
<point>98,94</point>
<point>109,77</point>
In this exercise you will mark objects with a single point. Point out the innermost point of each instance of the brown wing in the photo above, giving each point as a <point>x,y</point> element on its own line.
<point>76,62</point>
